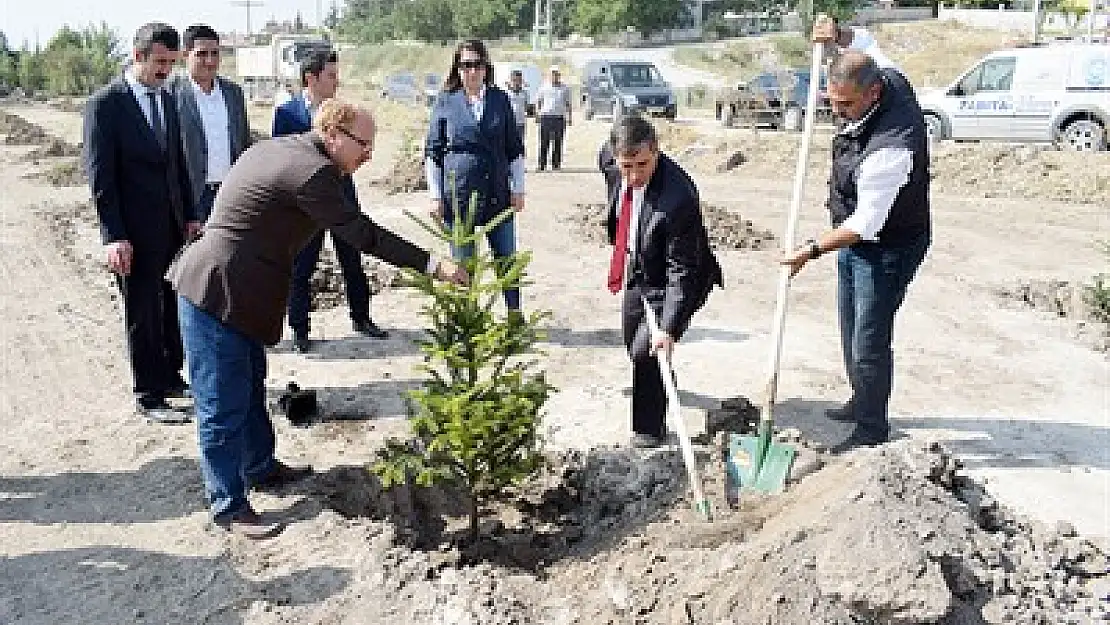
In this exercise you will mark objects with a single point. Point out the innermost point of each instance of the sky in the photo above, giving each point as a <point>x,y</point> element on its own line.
<point>22,20</point>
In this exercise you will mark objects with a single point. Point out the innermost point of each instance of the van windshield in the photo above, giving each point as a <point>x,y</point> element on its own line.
<point>636,75</point>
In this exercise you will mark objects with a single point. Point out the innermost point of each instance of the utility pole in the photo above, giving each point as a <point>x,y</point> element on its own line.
<point>1092,13</point>
<point>248,4</point>
<point>1036,21</point>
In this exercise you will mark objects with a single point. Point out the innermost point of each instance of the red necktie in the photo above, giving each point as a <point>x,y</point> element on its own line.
<point>620,247</point>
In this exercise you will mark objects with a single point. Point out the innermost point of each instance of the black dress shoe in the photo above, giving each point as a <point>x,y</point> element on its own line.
<point>158,411</point>
<point>281,475</point>
<point>647,441</point>
<point>370,329</point>
<point>841,413</point>
<point>301,344</point>
<point>179,391</point>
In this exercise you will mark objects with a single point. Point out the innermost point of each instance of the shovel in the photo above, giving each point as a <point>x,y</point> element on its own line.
<point>701,504</point>
<point>758,463</point>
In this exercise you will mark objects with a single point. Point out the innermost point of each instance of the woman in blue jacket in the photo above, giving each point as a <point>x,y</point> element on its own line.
<point>474,146</point>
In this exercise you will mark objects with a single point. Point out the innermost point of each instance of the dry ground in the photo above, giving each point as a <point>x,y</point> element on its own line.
<point>102,515</point>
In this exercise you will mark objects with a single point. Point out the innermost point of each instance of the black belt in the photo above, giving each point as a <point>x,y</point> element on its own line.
<point>213,186</point>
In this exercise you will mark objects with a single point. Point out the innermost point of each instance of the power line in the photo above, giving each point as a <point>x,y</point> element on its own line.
<point>248,4</point>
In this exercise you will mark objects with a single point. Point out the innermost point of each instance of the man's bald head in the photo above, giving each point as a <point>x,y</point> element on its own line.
<point>856,69</point>
<point>855,84</point>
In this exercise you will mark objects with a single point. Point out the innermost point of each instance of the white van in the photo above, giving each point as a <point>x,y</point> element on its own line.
<point>1058,92</point>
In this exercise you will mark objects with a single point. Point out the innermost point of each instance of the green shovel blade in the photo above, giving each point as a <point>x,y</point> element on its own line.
<point>758,463</point>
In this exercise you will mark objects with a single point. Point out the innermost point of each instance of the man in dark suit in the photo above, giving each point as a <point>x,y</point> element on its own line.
<point>132,154</point>
<point>661,253</point>
<point>320,78</point>
<point>233,284</point>
<point>213,114</point>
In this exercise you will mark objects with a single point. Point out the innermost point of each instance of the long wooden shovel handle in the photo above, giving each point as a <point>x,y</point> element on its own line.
<point>771,391</point>
<point>674,410</point>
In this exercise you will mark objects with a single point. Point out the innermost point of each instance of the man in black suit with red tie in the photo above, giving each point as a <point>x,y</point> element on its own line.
<point>143,198</point>
<point>660,253</point>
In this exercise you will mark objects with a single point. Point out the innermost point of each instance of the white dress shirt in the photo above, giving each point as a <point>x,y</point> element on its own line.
<point>140,91</point>
<point>883,173</point>
<point>214,118</point>
<point>433,173</point>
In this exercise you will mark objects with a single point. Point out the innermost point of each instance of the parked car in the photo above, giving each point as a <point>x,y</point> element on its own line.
<point>616,87</point>
<point>433,84</point>
<point>402,87</point>
<point>1058,92</point>
<point>775,99</point>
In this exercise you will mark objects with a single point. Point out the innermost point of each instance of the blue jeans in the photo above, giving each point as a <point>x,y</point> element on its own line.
<point>502,242</point>
<point>354,280</point>
<point>227,373</point>
<point>872,284</point>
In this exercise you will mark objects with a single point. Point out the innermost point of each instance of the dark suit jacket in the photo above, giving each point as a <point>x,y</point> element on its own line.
<point>193,140</point>
<point>141,193</point>
<point>293,117</point>
<point>277,195</point>
<point>673,266</point>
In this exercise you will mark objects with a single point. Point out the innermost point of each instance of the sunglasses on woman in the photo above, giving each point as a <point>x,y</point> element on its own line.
<point>472,64</point>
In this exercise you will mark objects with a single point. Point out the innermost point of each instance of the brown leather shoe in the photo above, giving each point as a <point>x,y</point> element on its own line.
<point>249,524</point>
<point>281,475</point>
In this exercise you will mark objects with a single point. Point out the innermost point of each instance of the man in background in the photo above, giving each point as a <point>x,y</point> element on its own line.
<point>144,201</point>
<point>518,98</point>
<point>553,114</point>
<point>320,79</point>
<point>213,112</point>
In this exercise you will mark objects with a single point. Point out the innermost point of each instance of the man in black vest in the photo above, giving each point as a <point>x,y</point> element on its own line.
<point>879,204</point>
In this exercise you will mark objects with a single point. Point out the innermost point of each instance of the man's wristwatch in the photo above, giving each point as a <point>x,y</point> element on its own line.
<point>814,249</point>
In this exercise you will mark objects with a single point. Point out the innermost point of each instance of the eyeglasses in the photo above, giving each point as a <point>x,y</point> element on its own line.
<point>472,64</point>
<point>207,53</point>
<point>365,144</point>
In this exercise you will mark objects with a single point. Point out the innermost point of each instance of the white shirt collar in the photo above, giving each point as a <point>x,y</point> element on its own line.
<point>136,86</point>
<point>200,91</point>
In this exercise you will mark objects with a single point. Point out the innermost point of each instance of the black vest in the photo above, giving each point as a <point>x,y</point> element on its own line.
<point>897,122</point>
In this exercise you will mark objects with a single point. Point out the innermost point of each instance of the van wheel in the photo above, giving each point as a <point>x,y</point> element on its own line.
<point>1084,135</point>
<point>934,129</point>
<point>792,119</point>
<point>587,114</point>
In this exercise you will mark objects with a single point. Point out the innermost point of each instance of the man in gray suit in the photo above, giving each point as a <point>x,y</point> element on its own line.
<point>213,112</point>
<point>233,282</point>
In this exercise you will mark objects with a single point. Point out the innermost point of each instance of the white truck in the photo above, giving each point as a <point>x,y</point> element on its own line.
<point>265,70</point>
<point>1058,92</point>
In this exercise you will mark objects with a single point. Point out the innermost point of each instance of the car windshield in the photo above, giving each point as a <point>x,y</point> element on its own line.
<point>431,81</point>
<point>636,75</point>
<point>402,79</point>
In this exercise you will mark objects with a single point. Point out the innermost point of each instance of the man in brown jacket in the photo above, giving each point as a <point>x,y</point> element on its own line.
<point>233,284</point>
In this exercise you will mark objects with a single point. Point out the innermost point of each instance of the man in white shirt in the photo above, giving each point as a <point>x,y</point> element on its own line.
<point>553,113</point>
<point>879,204</point>
<point>213,111</point>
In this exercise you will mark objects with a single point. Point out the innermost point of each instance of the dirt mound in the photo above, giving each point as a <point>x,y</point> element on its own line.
<point>68,173</point>
<point>327,281</point>
<point>888,535</point>
<point>19,131</point>
<point>1076,302</point>
<point>1030,172</point>
<point>728,230</point>
<point>54,148</point>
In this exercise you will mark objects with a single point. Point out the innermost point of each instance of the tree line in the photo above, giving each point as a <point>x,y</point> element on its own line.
<point>73,62</point>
